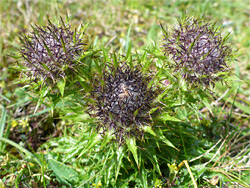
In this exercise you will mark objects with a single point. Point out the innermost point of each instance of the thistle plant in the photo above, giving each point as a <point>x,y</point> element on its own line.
<point>50,50</point>
<point>122,100</point>
<point>198,50</point>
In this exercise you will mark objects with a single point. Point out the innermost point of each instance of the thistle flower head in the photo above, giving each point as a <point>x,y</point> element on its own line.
<point>49,50</point>
<point>198,51</point>
<point>122,100</point>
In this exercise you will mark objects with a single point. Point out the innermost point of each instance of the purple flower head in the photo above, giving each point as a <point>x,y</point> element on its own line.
<point>198,50</point>
<point>49,50</point>
<point>122,100</point>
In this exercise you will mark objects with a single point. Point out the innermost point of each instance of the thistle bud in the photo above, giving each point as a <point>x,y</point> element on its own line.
<point>49,50</point>
<point>122,100</point>
<point>198,50</point>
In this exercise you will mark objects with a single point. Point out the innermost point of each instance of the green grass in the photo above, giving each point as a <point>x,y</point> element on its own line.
<point>201,139</point>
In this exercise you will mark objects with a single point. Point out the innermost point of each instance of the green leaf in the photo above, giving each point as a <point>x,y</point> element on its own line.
<point>115,60</point>
<point>2,123</point>
<point>92,142</point>
<point>160,96</point>
<point>165,33</point>
<point>106,140</point>
<point>63,45</point>
<point>5,98</point>
<point>64,173</point>
<point>61,85</point>
<point>149,130</point>
<point>105,55</point>
<point>143,177</point>
<point>207,104</point>
<point>136,112</point>
<point>153,159</point>
<point>153,110</point>
<point>166,117</point>
<point>244,108</point>
<point>84,84</point>
<point>34,114</point>
<point>88,55</point>
<point>43,93</point>
<point>120,154</point>
<point>28,153</point>
<point>74,36</point>
<point>225,38</point>
<point>82,29</point>
<point>63,24</point>
<point>131,143</point>
<point>165,140</point>
<point>128,44</point>
<point>98,67</point>
<point>49,52</point>
<point>128,54</point>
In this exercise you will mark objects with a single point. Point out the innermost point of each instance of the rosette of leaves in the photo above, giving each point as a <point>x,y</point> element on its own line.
<point>122,100</point>
<point>198,50</point>
<point>50,50</point>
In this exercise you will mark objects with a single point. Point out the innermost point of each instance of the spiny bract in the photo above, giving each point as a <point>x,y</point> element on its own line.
<point>198,51</point>
<point>49,50</point>
<point>122,100</point>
